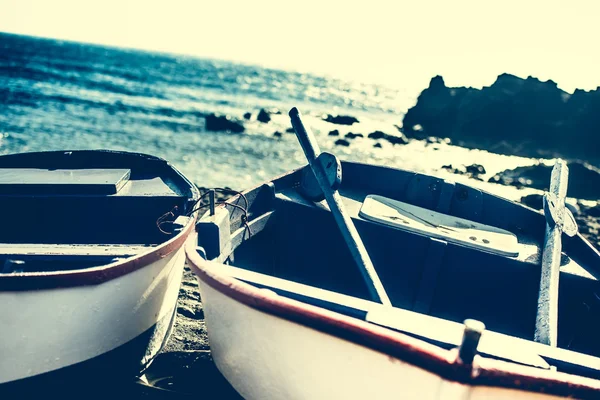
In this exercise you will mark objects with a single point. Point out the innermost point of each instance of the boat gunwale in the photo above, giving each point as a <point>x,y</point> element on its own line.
<point>444,363</point>
<point>30,281</point>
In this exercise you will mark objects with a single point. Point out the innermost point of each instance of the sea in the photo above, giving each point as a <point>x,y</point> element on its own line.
<point>59,95</point>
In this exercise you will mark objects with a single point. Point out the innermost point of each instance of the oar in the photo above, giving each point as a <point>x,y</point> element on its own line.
<point>343,220</point>
<point>558,220</point>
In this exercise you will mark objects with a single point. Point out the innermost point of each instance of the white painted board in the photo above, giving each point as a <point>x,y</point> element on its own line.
<point>426,222</point>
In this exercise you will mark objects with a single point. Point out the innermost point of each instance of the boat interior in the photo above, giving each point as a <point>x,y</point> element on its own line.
<point>80,209</point>
<point>293,246</point>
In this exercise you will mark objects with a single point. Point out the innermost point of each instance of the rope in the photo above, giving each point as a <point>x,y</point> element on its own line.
<point>163,219</point>
<point>226,190</point>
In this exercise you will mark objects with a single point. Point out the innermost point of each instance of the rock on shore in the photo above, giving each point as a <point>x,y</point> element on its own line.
<point>223,123</point>
<point>512,116</point>
<point>584,179</point>
<point>393,139</point>
<point>352,135</point>
<point>587,216</point>
<point>263,116</point>
<point>473,171</point>
<point>340,119</point>
<point>342,142</point>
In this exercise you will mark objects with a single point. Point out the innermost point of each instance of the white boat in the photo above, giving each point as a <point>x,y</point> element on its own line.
<point>289,316</point>
<point>92,253</point>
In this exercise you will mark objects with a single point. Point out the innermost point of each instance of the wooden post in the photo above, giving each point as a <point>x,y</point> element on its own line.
<point>546,323</point>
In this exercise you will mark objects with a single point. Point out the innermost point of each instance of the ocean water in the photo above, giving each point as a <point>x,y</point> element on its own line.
<point>57,95</point>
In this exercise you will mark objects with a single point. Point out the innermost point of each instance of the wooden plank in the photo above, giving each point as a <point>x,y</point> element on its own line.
<point>100,250</point>
<point>429,278</point>
<point>237,238</point>
<point>437,225</point>
<point>62,181</point>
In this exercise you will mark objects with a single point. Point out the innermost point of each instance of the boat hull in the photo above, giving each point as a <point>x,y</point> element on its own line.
<point>116,367</point>
<point>271,347</point>
<point>54,329</point>
<point>266,357</point>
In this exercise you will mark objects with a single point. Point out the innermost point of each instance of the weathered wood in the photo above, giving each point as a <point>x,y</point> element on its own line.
<point>432,264</point>
<point>470,341</point>
<point>236,238</point>
<point>62,181</point>
<point>546,324</point>
<point>214,232</point>
<point>409,217</point>
<point>344,222</point>
<point>38,249</point>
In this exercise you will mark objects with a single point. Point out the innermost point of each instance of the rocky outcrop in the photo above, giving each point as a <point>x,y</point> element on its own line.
<point>586,215</point>
<point>351,135</point>
<point>579,211</point>
<point>393,139</point>
<point>340,119</point>
<point>377,135</point>
<point>473,170</point>
<point>534,201</point>
<point>223,123</point>
<point>263,116</point>
<point>513,116</point>
<point>334,132</point>
<point>342,142</point>
<point>584,179</point>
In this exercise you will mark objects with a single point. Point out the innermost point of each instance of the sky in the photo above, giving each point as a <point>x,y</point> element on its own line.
<point>399,43</point>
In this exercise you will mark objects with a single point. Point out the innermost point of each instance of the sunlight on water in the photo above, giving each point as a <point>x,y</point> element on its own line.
<point>86,97</point>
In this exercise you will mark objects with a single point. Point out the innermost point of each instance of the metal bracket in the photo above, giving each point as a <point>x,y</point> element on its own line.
<point>309,187</point>
<point>470,340</point>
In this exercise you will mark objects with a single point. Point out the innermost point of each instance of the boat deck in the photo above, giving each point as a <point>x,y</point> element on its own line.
<point>529,249</point>
<point>69,210</point>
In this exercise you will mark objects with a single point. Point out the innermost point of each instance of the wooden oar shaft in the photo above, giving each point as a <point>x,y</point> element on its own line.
<point>342,218</point>
<point>546,323</point>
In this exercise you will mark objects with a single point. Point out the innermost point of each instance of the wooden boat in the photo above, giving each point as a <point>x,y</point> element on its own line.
<point>289,315</point>
<point>92,254</point>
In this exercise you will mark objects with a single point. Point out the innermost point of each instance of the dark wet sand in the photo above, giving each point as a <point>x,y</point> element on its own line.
<point>185,366</point>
